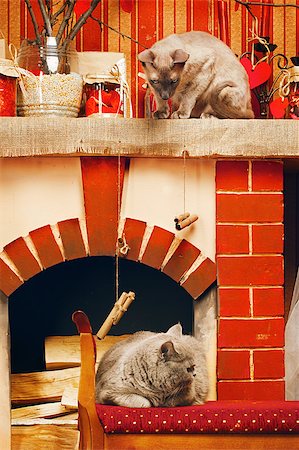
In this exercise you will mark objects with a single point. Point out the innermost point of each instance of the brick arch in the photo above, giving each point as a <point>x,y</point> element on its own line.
<point>102,181</point>
<point>47,246</point>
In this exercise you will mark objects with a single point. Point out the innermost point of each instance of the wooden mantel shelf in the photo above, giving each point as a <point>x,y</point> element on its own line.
<point>210,138</point>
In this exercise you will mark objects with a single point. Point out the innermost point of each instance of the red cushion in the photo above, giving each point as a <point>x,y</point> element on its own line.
<point>212,417</point>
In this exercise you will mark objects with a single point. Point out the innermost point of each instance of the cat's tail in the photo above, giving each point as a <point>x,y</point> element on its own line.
<point>229,101</point>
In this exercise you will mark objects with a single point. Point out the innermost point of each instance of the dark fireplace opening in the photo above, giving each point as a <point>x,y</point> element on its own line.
<point>43,306</point>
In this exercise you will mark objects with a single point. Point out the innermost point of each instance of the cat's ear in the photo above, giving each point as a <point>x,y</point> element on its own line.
<point>175,330</point>
<point>146,56</point>
<point>167,350</point>
<point>179,56</point>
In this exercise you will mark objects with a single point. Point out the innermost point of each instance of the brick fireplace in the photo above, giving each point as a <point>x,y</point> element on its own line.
<point>250,279</point>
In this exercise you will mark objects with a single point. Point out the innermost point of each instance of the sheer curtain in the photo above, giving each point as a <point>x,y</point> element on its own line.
<point>292,347</point>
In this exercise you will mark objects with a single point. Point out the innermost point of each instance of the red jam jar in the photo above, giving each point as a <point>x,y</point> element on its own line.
<point>8,88</point>
<point>102,96</point>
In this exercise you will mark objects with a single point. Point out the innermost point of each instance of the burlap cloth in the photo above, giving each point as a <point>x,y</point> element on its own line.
<point>214,138</point>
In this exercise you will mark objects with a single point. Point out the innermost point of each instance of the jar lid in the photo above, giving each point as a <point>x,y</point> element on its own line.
<point>91,78</point>
<point>294,74</point>
<point>8,68</point>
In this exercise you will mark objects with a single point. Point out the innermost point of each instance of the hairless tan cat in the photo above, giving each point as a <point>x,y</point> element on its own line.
<point>201,75</point>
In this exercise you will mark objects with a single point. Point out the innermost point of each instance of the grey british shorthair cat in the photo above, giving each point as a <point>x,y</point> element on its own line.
<point>153,369</point>
<point>200,73</point>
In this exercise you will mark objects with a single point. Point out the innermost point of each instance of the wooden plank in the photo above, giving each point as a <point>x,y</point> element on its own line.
<point>47,437</point>
<point>4,375</point>
<point>202,442</point>
<point>64,351</point>
<point>65,420</point>
<point>69,398</point>
<point>43,411</point>
<point>40,387</point>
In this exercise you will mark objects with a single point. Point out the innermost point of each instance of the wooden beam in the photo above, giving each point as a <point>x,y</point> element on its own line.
<point>40,387</point>
<point>227,138</point>
<point>64,351</point>
<point>200,441</point>
<point>5,437</point>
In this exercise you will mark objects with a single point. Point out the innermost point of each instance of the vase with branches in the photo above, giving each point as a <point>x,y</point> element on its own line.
<point>51,85</point>
<point>61,22</point>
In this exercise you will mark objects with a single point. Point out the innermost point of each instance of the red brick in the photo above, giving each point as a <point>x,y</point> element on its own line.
<point>22,258</point>
<point>232,175</point>
<point>268,301</point>
<point>72,239</point>
<point>267,238</point>
<point>250,333</point>
<point>246,208</point>
<point>134,231</point>
<point>232,239</point>
<point>9,281</point>
<point>267,176</point>
<point>233,364</point>
<point>250,270</point>
<point>201,278</point>
<point>181,260</point>
<point>157,247</point>
<point>47,248</point>
<point>268,363</point>
<point>251,390</point>
<point>100,187</point>
<point>234,302</point>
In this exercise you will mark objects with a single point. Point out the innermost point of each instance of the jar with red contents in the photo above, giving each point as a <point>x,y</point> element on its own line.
<point>8,88</point>
<point>103,96</point>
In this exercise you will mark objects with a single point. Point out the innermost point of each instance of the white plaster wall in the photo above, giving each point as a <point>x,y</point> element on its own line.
<point>38,191</point>
<point>155,190</point>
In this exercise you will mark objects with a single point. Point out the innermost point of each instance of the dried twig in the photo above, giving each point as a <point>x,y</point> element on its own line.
<point>276,5</point>
<point>45,17</point>
<point>58,12</point>
<point>65,20</point>
<point>79,24</point>
<point>48,6</point>
<point>125,36</point>
<point>34,22</point>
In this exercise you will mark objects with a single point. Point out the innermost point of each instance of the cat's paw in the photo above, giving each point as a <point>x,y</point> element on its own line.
<point>179,115</point>
<point>160,114</point>
<point>144,403</point>
<point>208,116</point>
<point>131,401</point>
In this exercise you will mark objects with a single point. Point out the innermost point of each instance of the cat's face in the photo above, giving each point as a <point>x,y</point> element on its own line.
<point>178,362</point>
<point>163,71</point>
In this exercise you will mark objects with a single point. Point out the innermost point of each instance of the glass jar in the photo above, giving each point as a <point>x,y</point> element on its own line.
<point>50,85</point>
<point>8,88</point>
<point>103,96</point>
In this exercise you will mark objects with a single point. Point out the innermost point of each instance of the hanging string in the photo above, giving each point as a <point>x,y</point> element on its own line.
<point>118,221</point>
<point>184,180</point>
<point>184,220</point>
